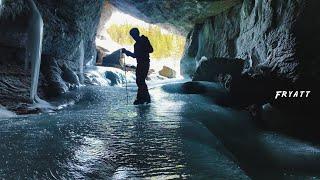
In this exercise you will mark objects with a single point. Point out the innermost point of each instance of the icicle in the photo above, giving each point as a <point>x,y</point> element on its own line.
<point>81,62</point>
<point>34,48</point>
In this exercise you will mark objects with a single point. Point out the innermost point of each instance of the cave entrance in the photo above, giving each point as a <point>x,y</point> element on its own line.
<point>168,46</point>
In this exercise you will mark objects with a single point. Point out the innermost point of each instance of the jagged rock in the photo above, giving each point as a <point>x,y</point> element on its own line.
<point>69,76</point>
<point>53,76</point>
<point>168,72</point>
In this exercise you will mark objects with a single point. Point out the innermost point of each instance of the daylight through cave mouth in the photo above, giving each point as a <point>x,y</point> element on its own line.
<point>168,45</point>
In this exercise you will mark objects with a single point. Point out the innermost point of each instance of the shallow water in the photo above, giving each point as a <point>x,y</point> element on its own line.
<point>177,136</point>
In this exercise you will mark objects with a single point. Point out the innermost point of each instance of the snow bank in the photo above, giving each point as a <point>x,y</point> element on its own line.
<point>4,113</point>
<point>107,76</point>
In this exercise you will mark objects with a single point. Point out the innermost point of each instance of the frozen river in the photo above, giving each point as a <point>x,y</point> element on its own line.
<point>177,136</point>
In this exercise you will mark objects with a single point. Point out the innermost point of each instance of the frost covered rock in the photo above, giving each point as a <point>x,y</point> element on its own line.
<point>107,76</point>
<point>115,78</point>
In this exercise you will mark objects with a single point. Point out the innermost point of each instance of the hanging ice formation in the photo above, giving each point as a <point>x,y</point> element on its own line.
<point>34,48</point>
<point>81,62</point>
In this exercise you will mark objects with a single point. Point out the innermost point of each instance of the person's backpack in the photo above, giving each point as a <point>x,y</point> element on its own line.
<point>147,44</point>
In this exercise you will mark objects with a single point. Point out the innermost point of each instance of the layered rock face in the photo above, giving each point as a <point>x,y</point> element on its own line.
<point>15,79</point>
<point>280,35</point>
<point>68,43</point>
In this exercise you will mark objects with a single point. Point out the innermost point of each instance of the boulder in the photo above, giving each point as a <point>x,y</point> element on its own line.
<point>217,69</point>
<point>116,76</point>
<point>50,69</point>
<point>168,72</point>
<point>101,54</point>
<point>70,76</point>
<point>113,60</point>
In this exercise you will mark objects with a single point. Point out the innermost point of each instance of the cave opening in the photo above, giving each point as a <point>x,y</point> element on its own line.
<point>113,34</point>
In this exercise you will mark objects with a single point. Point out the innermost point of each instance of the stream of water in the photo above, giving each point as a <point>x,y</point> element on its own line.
<point>177,136</point>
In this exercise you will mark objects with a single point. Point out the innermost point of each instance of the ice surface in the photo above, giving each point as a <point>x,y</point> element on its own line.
<point>177,136</point>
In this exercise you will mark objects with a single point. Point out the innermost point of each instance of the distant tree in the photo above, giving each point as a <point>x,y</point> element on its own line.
<point>165,45</point>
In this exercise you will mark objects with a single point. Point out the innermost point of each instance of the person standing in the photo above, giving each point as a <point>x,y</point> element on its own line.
<point>142,49</point>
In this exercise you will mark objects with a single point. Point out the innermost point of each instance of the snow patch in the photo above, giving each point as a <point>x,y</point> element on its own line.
<point>108,76</point>
<point>4,113</point>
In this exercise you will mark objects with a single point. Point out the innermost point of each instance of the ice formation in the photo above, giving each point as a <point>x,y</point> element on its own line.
<point>81,61</point>
<point>34,48</point>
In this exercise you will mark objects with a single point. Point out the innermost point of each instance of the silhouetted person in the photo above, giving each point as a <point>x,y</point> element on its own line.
<point>142,48</point>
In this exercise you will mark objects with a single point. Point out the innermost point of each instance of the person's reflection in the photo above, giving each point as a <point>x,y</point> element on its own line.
<point>143,112</point>
<point>141,135</point>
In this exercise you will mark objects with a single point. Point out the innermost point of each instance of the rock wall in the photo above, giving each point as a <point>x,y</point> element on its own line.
<point>68,22</point>
<point>15,78</point>
<point>69,42</point>
<point>106,14</point>
<point>280,35</point>
<point>177,15</point>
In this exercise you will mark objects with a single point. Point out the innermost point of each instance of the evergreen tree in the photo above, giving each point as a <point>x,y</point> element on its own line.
<point>165,45</point>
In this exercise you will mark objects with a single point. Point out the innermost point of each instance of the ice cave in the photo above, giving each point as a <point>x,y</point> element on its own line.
<point>220,76</point>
